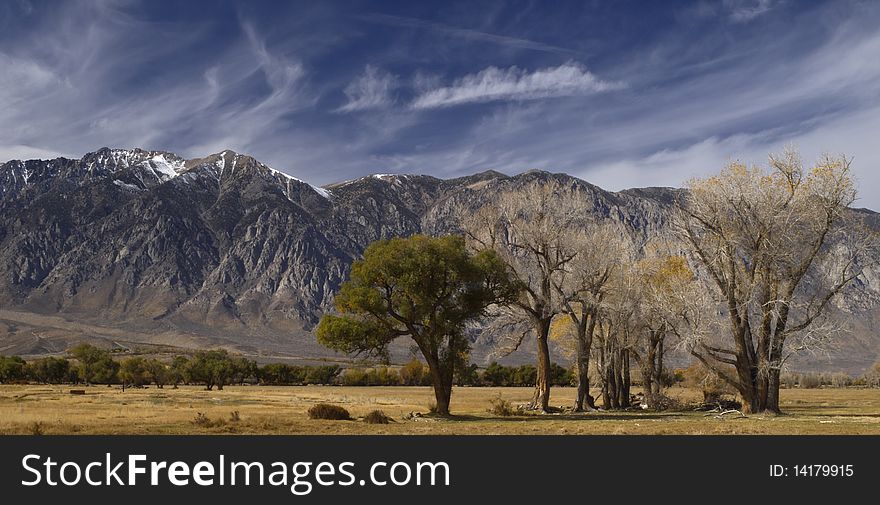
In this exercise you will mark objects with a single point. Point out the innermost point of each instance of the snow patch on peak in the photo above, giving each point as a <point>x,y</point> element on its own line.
<point>169,168</point>
<point>127,186</point>
<point>321,191</point>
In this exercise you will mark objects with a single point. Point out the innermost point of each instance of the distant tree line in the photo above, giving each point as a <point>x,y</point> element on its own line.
<point>416,373</point>
<point>88,364</point>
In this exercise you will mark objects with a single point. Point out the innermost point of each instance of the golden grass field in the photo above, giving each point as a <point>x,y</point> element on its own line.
<point>50,410</point>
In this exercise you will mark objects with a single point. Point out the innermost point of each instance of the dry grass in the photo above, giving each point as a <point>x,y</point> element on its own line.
<point>283,410</point>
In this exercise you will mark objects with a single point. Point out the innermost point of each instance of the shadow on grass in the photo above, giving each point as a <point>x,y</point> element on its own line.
<point>588,416</point>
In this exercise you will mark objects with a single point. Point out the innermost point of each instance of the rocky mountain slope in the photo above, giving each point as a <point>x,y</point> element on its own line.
<point>133,247</point>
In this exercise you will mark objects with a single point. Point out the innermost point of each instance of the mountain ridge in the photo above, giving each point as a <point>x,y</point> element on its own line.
<point>226,251</point>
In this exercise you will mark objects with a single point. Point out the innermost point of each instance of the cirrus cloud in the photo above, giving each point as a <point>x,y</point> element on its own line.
<point>493,83</point>
<point>371,90</point>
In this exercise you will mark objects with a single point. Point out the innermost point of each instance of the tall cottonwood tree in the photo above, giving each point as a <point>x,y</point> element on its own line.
<point>531,229</point>
<point>425,288</point>
<point>767,238</point>
<point>666,308</point>
<point>582,288</point>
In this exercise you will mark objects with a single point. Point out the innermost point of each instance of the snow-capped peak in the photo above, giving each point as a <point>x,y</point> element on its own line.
<point>162,165</point>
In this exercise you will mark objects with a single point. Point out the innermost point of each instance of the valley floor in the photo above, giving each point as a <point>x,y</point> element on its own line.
<point>282,410</point>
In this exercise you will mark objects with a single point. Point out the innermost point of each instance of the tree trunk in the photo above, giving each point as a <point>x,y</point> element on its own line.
<point>772,404</point>
<point>624,381</point>
<point>584,342</point>
<point>442,396</point>
<point>585,328</point>
<point>583,388</point>
<point>541,399</point>
<point>441,379</point>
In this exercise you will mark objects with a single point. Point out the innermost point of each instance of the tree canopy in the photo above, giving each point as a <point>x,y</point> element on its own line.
<point>422,287</point>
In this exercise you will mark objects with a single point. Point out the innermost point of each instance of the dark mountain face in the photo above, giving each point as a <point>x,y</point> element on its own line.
<point>133,246</point>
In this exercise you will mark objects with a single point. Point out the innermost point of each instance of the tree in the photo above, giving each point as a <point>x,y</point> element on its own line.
<point>872,376</point>
<point>533,230</point>
<point>583,288</point>
<point>179,370</point>
<point>281,374</point>
<point>617,331</point>
<point>425,288</point>
<point>496,375</point>
<point>467,375</point>
<point>212,368</point>
<point>159,372</point>
<point>95,365</point>
<point>668,289</point>
<point>244,370</point>
<point>323,374</point>
<point>49,370</point>
<point>12,369</point>
<point>134,371</point>
<point>778,245</point>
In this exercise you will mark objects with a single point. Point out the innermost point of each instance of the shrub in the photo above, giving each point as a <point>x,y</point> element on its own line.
<point>669,378</point>
<point>809,381</point>
<point>383,376</point>
<point>354,377</point>
<point>413,373</point>
<point>872,376</point>
<point>841,380</point>
<point>201,420</point>
<point>36,428</point>
<point>377,417</point>
<point>501,407</point>
<point>788,380</point>
<point>234,416</point>
<point>324,374</point>
<point>327,411</point>
<point>713,387</point>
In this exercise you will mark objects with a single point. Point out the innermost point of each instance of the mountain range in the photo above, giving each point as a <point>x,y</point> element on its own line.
<point>128,247</point>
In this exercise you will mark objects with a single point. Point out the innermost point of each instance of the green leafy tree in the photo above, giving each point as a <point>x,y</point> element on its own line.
<point>244,370</point>
<point>324,374</point>
<point>281,374</point>
<point>178,371</point>
<point>49,370</point>
<point>12,369</point>
<point>468,375</point>
<point>159,372</point>
<point>496,375</point>
<point>133,371</point>
<point>425,288</point>
<point>212,368</point>
<point>95,365</point>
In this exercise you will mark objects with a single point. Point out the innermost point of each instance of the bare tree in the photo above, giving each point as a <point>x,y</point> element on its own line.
<point>582,289</point>
<point>772,242</point>
<point>666,309</point>
<point>532,229</point>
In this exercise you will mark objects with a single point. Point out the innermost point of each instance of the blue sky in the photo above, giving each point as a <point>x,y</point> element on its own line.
<point>621,94</point>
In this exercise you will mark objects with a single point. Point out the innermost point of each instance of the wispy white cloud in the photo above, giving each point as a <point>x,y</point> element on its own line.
<point>514,83</point>
<point>735,11</point>
<point>743,11</point>
<point>466,33</point>
<point>74,91</point>
<point>370,90</point>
